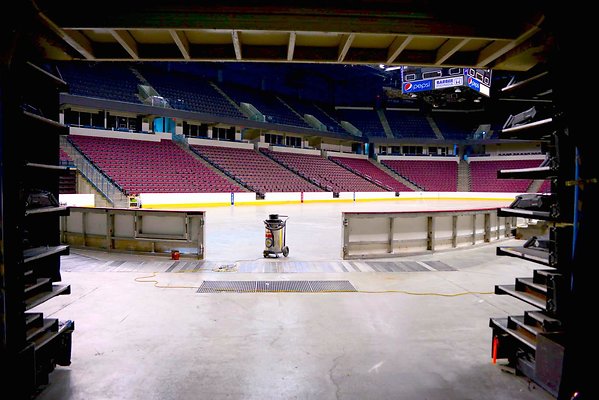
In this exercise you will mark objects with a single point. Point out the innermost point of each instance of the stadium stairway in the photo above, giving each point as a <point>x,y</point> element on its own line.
<point>312,181</point>
<point>85,187</point>
<point>230,100</point>
<point>369,179</point>
<point>112,195</point>
<point>139,76</point>
<point>331,119</point>
<point>385,123</point>
<point>300,116</point>
<point>397,176</point>
<point>463,176</point>
<point>225,174</point>
<point>435,128</point>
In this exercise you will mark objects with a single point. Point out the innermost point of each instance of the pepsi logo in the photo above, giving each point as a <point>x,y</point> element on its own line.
<point>407,86</point>
<point>470,81</point>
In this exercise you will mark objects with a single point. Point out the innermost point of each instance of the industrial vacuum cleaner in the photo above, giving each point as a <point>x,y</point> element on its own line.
<point>275,235</point>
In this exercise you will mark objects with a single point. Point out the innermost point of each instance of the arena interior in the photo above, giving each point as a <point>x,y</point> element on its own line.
<point>385,200</point>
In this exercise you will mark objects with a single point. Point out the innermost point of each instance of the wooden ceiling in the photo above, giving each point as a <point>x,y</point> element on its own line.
<point>423,33</point>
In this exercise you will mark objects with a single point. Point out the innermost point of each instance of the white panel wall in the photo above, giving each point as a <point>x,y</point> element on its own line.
<point>346,155</point>
<point>77,200</point>
<point>346,196</point>
<point>118,135</point>
<point>317,196</point>
<point>410,228</point>
<point>539,157</point>
<point>244,198</point>
<point>335,147</point>
<point>194,200</point>
<point>283,196</point>
<point>418,158</point>
<point>218,143</point>
<point>294,150</point>
<point>374,195</point>
<point>443,227</point>
<point>95,224</point>
<point>368,230</point>
<point>174,200</point>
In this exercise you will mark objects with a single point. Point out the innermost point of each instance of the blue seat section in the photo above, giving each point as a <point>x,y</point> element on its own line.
<point>322,112</point>
<point>366,121</point>
<point>103,80</point>
<point>268,104</point>
<point>456,125</point>
<point>410,124</point>
<point>189,92</point>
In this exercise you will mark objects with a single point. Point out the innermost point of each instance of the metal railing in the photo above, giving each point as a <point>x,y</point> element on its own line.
<point>94,176</point>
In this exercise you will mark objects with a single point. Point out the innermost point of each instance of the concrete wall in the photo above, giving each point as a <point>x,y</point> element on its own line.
<point>77,200</point>
<point>294,150</point>
<point>419,158</point>
<point>118,134</point>
<point>539,157</point>
<point>217,143</point>
<point>346,155</point>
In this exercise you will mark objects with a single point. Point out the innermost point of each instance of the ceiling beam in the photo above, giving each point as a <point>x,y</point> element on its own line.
<point>346,41</point>
<point>126,40</point>
<point>291,46</point>
<point>74,39</point>
<point>236,44</point>
<point>515,85</point>
<point>526,55</point>
<point>397,46</point>
<point>182,43</point>
<point>384,17</point>
<point>448,49</point>
<point>500,47</point>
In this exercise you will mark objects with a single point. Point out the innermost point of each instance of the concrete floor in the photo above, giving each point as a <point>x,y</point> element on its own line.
<point>148,340</point>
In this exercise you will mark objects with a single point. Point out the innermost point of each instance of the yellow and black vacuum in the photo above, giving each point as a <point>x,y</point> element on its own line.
<point>275,235</point>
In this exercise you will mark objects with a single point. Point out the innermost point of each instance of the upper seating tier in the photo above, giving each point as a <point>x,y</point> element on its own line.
<point>102,80</point>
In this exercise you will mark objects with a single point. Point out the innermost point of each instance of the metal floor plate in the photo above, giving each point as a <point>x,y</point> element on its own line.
<point>276,287</point>
<point>75,262</point>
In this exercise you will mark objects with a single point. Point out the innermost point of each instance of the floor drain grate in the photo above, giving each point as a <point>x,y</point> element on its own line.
<point>275,286</point>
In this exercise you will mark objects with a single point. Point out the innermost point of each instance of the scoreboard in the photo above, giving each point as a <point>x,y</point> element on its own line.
<point>421,79</point>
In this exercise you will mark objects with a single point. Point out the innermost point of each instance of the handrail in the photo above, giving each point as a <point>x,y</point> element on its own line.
<point>93,174</point>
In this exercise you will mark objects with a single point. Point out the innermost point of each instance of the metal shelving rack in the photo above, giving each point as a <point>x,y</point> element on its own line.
<point>32,345</point>
<point>535,343</point>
